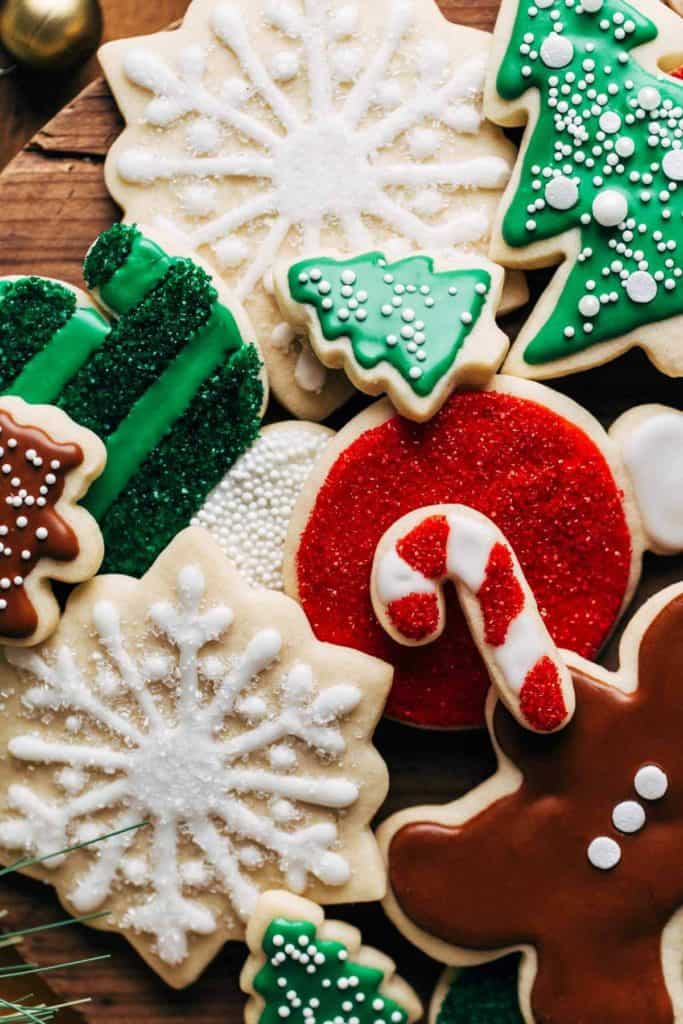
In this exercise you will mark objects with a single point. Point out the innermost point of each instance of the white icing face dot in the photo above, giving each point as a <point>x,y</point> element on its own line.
<point>651,783</point>
<point>628,816</point>
<point>641,287</point>
<point>672,164</point>
<point>610,122</point>
<point>561,193</point>
<point>604,853</point>
<point>589,305</point>
<point>610,208</point>
<point>649,98</point>
<point>556,51</point>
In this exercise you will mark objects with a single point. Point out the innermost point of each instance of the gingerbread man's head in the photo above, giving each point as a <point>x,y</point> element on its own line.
<point>571,853</point>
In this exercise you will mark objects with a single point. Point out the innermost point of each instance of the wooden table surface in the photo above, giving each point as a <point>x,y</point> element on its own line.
<point>53,203</point>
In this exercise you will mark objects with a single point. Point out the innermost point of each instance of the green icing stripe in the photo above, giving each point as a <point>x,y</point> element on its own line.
<point>161,405</point>
<point>44,377</point>
<point>404,314</point>
<point>144,268</point>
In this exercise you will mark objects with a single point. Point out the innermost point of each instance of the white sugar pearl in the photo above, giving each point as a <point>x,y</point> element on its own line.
<point>589,305</point>
<point>604,853</point>
<point>651,782</point>
<point>641,286</point>
<point>41,533</point>
<point>610,122</point>
<point>628,816</point>
<point>610,207</point>
<point>625,147</point>
<point>592,5</point>
<point>672,164</point>
<point>556,51</point>
<point>561,193</point>
<point>649,97</point>
<point>348,277</point>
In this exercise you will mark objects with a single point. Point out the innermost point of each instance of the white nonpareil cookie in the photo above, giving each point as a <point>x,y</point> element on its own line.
<point>261,129</point>
<point>249,512</point>
<point>208,709</point>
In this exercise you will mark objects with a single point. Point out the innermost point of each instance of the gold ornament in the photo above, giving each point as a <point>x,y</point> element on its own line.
<point>50,35</point>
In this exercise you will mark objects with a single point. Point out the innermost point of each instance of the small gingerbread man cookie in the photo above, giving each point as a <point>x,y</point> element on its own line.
<point>303,967</point>
<point>597,183</point>
<point>570,852</point>
<point>47,463</point>
<point>415,328</point>
<point>207,709</point>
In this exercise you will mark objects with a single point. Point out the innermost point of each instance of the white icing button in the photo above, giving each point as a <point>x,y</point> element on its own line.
<point>604,853</point>
<point>625,147</point>
<point>641,286</point>
<point>589,305</point>
<point>556,51</point>
<point>672,164</point>
<point>610,208</point>
<point>628,816</point>
<point>610,122</point>
<point>649,98</point>
<point>651,782</point>
<point>561,193</point>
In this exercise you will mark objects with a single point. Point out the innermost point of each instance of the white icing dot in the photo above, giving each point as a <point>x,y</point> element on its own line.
<point>561,193</point>
<point>610,207</point>
<point>604,853</point>
<point>348,277</point>
<point>556,51</point>
<point>672,164</point>
<point>285,66</point>
<point>625,147</point>
<point>628,816</point>
<point>41,533</point>
<point>230,252</point>
<point>589,305</point>
<point>641,286</point>
<point>610,122</point>
<point>649,97</point>
<point>651,783</point>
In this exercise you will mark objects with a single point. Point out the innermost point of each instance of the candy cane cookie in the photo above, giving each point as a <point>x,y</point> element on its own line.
<point>423,550</point>
<point>531,460</point>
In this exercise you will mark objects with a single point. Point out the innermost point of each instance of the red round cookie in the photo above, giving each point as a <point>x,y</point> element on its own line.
<point>548,479</point>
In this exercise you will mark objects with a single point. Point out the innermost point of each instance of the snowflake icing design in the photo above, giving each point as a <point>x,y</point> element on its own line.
<point>319,120</point>
<point>234,758</point>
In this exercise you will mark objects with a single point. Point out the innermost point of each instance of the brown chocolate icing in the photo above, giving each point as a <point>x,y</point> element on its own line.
<point>518,873</point>
<point>33,470</point>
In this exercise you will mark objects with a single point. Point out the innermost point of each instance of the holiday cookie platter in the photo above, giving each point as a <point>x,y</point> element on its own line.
<point>368,414</point>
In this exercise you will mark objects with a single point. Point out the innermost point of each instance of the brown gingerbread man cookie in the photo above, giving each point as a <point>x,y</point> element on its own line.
<point>570,853</point>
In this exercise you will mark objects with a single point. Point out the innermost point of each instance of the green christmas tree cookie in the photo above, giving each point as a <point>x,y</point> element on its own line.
<point>174,387</point>
<point>598,180</point>
<point>416,328</point>
<point>478,995</point>
<point>305,970</point>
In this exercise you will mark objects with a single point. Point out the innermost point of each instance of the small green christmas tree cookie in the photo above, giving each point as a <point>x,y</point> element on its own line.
<point>415,329</point>
<point>303,969</point>
<point>597,184</point>
<point>174,386</point>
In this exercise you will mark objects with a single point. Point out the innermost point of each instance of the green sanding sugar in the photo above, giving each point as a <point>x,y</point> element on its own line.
<point>484,995</point>
<point>219,425</point>
<point>108,253</point>
<point>139,348</point>
<point>31,311</point>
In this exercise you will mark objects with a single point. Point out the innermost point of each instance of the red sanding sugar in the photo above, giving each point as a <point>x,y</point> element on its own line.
<point>500,596</point>
<point>424,548</point>
<point>415,616</point>
<point>537,476</point>
<point>540,699</point>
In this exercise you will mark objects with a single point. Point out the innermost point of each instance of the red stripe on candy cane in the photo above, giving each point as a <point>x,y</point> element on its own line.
<point>423,550</point>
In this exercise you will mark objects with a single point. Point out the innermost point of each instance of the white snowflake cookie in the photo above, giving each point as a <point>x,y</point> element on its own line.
<point>207,709</point>
<point>263,129</point>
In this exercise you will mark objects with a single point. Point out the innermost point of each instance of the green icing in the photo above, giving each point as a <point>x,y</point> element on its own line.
<point>303,972</point>
<point>483,995</point>
<point>404,314</point>
<point>606,148</point>
<point>171,387</point>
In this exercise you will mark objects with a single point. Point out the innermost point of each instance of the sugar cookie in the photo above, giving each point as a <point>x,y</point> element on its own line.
<point>191,701</point>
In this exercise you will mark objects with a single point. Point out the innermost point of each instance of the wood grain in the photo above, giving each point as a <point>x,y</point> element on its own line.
<point>53,204</point>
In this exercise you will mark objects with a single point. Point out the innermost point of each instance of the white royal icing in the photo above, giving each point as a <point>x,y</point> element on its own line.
<point>248,513</point>
<point>653,453</point>
<point>199,746</point>
<point>651,783</point>
<point>604,853</point>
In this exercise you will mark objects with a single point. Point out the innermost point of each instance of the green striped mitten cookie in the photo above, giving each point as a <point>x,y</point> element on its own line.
<point>174,385</point>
